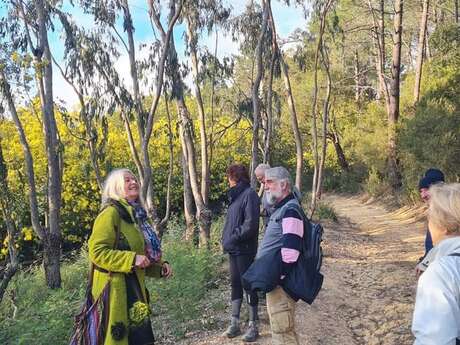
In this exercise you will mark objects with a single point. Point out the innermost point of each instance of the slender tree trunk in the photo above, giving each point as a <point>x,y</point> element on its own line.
<point>420,50</point>
<point>393,165</point>
<point>456,11</point>
<point>291,105</point>
<point>357,78</point>
<point>189,205</point>
<point>11,229</point>
<point>255,93</point>
<point>174,13</point>
<point>269,109</point>
<point>341,159</point>
<point>205,173</point>
<point>379,42</point>
<point>325,60</point>
<point>203,214</point>
<point>164,221</point>
<point>28,159</point>
<point>129,28</point>
<point>323,13</point>
<point>52,242</point>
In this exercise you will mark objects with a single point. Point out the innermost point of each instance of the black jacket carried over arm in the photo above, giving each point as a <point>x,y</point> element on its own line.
<point>241,229</point>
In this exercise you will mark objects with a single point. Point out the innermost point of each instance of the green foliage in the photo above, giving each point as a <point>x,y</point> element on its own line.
<point>324,211</point>
<point>44,316</point>
<point>344,181</point>
<point>176,302</point>
<point>180,303</point>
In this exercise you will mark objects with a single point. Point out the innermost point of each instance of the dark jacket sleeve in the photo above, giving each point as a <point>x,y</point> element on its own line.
<point>250,227</point>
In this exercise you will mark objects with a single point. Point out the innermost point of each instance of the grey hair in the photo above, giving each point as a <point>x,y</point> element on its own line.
<point>279,174</point>
<point>444,209</point>
<point>262,167</point>
<point>114,185</point>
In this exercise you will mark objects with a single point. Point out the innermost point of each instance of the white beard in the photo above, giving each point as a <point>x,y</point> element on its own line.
<point>271,197</point>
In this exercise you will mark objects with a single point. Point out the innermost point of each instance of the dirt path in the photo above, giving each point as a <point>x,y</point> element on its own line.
<point>369,289</point>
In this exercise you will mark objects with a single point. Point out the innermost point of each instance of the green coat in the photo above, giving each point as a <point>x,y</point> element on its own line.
<point>102,254</point>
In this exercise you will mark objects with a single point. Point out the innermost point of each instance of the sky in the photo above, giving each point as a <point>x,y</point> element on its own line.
<point>287,19</point>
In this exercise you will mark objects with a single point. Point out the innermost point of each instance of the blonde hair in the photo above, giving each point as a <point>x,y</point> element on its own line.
<point>114,185</point>
<point>444,209</point>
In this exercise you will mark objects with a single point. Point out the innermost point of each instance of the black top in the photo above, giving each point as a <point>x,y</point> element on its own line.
<point>241,228</point>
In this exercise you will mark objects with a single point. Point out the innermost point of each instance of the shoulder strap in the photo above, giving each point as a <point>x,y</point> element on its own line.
<point>122,212</point>
<point>290,206</point>
<point>454,254</point>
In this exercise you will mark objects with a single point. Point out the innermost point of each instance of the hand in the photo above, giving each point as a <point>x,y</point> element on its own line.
<point>166,270</point>
<point>141,261</point>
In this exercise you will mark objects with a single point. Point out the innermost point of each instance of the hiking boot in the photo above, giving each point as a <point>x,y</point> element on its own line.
<point>252,333</point>
<point>234,329</point>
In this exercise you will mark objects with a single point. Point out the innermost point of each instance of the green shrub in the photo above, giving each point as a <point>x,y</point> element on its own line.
<point>179,304</point>
<point>324,211</point>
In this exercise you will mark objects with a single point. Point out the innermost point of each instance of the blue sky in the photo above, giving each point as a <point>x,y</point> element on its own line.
<point>287,20</point>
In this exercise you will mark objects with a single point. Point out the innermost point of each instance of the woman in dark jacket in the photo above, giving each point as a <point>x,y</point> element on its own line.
<point>239,240</point>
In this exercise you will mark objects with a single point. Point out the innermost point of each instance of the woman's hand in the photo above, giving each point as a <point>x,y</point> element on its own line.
<point>141,261</point>
<point>166,270</point>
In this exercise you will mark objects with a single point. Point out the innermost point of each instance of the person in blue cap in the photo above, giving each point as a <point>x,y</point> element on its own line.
<point>432,176</point>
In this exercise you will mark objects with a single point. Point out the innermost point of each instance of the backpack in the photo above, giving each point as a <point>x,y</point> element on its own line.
<point>305,279</point>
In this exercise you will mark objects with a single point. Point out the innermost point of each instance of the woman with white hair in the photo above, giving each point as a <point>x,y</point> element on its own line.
<point>436,318</point>
<point>123,249</point>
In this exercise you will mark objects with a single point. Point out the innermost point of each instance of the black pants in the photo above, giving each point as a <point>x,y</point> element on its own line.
<point>238,265</point>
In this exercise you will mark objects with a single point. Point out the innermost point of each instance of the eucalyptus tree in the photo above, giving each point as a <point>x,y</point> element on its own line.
<point>87,67</point>
<point>133,102</point>
<point>200,17</point>
<point>421,49</point>
<point>25,32</point>
<point>322,8</point>
<point>290,101</point>
<point>186,135</point>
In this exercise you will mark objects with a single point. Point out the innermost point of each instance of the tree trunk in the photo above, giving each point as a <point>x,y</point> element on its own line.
<point>255,93</point>
<point>268,123</point>
<point>294,123</point>
<point>203,214</point>
<point>420,50</point>
<point>456,10</point>
<point>11,229</point>
<point>291,105</point>
<point>164,221</point>
<point>325,60</point>
<point>189,205</point>
<point>174,13</point>
<point>339,151</point>
<point>314,130</point>
<point>28,159</point>
<point>393,165</point>
<point>379,42</point>
<point>357,78</point>
<point>52,242</point>
<point>128,26</point>
<point>205,173</point>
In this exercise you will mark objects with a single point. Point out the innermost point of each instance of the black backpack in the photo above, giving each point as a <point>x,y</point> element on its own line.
<point>305,279</point>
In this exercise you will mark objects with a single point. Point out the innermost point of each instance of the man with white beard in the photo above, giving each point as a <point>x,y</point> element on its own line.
<point>284,232</point>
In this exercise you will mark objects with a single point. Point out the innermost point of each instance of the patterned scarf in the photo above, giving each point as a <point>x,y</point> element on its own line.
<point>152,242</point>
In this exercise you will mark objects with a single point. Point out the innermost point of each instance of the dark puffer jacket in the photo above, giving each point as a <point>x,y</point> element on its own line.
<point>241,229</point>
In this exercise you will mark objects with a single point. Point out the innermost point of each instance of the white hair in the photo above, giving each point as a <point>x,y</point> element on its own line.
<point>114,185</point>
<point>262,168</point>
